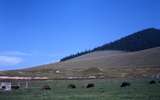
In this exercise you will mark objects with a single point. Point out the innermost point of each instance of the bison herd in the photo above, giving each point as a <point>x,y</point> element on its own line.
<point>70,86</point>
<point>89,85</point>
<point>92,85</point>
<point>127,84</point>
<point>73,86</point>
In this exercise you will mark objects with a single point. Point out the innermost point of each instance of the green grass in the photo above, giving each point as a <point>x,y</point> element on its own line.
<point>103,90</point>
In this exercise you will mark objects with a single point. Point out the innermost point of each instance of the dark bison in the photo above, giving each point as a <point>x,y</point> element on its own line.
<point>90,85</point>
<point>3,87</point>
<point>71,86</point>
<point>125,84</point>
<point>46,87</point>
<point>152,82</point>
<point>15,87</point>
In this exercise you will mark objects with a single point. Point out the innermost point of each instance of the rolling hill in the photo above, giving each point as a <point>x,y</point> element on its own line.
<point>108,64</point>
<point>137,55</point>
<point>111,59</point>
<point>145,39</point>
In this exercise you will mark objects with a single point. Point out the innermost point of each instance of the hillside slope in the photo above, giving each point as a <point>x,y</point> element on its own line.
<point>101,64</point>
<point>97,55</point>
<point>145,39</point>
<point>149,57</point>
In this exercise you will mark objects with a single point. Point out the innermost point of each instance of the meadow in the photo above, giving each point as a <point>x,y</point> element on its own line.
<point>105,89</point>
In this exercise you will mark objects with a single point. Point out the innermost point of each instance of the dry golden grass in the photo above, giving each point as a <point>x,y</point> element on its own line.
<point>145,63</point>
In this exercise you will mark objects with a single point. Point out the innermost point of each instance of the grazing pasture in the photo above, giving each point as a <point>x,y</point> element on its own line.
<point>103,90</point>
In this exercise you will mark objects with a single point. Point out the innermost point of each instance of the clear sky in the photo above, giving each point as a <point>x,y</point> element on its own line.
<point>34,32</point>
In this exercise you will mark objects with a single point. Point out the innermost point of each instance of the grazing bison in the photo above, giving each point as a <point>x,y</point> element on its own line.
<point>71,86</point>
<point>15,87</point>
<point>3,87</point>
<point>125,84</point>
<point>152,82</point>
<point>90,85</point>
<point>46,87</point>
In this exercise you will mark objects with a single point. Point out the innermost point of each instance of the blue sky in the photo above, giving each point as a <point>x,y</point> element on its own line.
<point>34,32</point>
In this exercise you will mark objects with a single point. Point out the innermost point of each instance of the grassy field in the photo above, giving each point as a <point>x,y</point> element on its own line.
<point>103,90</point>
